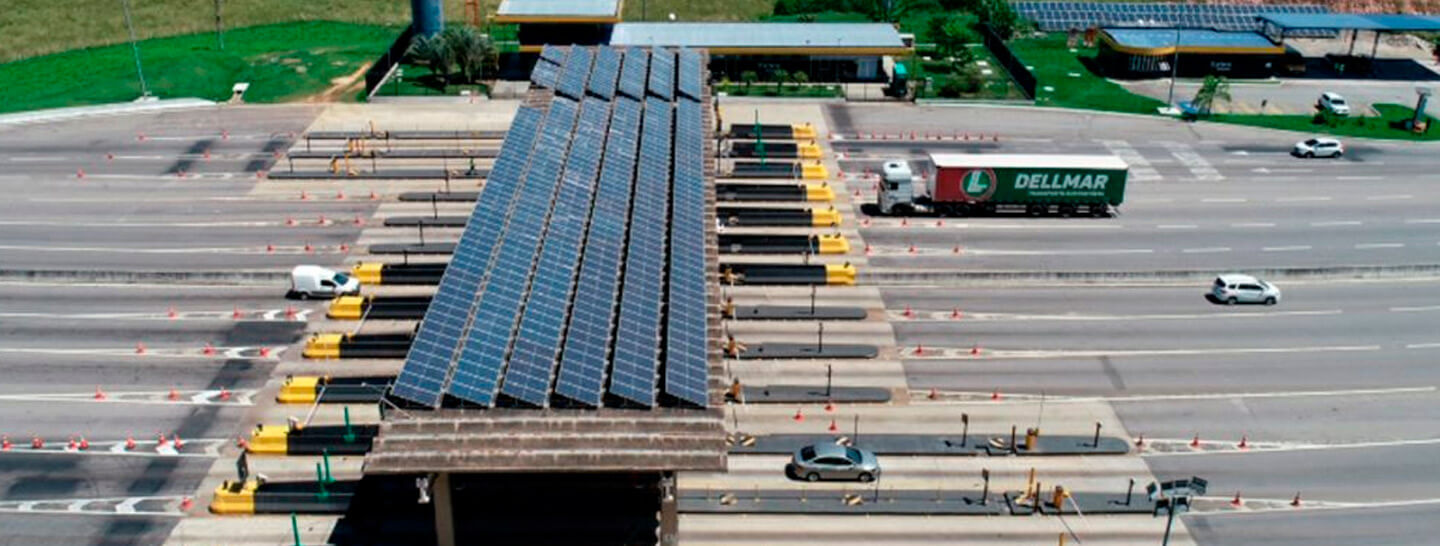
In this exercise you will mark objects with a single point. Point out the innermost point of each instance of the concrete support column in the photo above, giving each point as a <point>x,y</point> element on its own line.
<point>444,510</point>
<point>427,17</point>
<point>669,511</point>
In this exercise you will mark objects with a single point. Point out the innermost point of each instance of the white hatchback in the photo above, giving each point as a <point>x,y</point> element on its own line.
<point>1234,288</point>
<point>1318,147</point>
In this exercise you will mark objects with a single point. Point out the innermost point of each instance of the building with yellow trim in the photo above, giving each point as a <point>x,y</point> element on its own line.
<point>1149,52</point>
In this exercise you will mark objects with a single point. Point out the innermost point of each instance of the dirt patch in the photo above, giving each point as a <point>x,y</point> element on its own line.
<point>343,86</point>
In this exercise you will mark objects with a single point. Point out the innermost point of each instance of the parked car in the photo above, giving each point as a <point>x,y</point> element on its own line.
<point>313,281</point>
<point>1333,103</point>
<point>1233,288</point>
<point>827,461</point>
<point>1318,147</point>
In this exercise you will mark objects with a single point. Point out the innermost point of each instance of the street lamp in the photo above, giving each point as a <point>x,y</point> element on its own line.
<point>1174,68</point>
<point>135,48</point>
<point>1174,497</point>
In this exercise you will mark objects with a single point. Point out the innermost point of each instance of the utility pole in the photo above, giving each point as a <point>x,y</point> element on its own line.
<point>219,26</point>
<point>1174,68</point>
<point>135,48</point>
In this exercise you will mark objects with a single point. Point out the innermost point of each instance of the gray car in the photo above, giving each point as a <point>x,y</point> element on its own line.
<point>826,461</point>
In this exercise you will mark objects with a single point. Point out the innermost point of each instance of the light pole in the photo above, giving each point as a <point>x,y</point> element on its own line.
<point>134,47</point>
<point>1174,68</point>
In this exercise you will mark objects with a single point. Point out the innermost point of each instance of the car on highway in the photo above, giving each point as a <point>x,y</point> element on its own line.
<point>1233,288</point>
<point>828,461</point>
<point>313,281</point>
<point>1318,147</point>
<point>1333,103</point>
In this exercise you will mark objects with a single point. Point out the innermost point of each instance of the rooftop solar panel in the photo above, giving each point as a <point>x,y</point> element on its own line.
<point>662,73</point>
<point>545,74</point>
<point>576,73</point>
<point>634,73</point>
<point>607,72</point>
<point>686,372</point>
<point>537,342</point>
<point>427,366</point>
<point>478,372</point>
<point>690,80</point>
<point>555,54</point>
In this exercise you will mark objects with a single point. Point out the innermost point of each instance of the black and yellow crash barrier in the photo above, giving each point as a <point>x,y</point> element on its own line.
<point>807,170</point>
<point>378,307</point>
<point>787,274</point>
<point>325,389</point>
<point>253,496</point>
<point>375,273</point>
<point>829,243</point>
<point>325,346</point>
<point>781,150</point>
<point>778,217</point>
<point>283,440</point>
<point>749,131</point>
<point>774,192</point>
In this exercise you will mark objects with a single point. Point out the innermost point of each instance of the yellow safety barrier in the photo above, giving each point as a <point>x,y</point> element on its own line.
<point>299,390</point>
<point>814,172</point>
<point>271,440</point>
<point>808,150</point>
<point>323,346</point>
<point>235,497</point>
<point>367,273</point>
<point>347,307</point>
<point>819,192</point>
<point>825,217</point>
<point>840,274</point>
<point>803,131</point>
<point>832,243</point>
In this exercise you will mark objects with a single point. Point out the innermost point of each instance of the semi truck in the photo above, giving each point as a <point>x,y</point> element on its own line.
<point>983,184</point>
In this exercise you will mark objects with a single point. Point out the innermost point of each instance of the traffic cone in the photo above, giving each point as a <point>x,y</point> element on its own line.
<point>99,394</point>
<point>940,223</point>
<point>829,406</point>
<point>908,312</point>
<point>261,175</point>
<point>110,156</point>
<point>187,504</point>
<point>236,314</point>
<point>289,221</point>
<point>37,443</point>
<point>161,442</point>
<point>5,443</point>
<point>1195,442</point>
<point>955,314</point>
<point>209,349</point>
<point>129,443</point>
<point>241,443</point>
<point>868,250</point>
<point>911,250</point>
<point>934,394</point>
<point>72,446</point>
<point>172,314</point>
<point>344,248</point>
<point>1244,442</point>
<point>1140,441</point>
<point>995,395</point>
<point>322,221</point>
<point>264,352</point>
<point>955,250</point>
<point>84,444</point>
<point>904,222</point>
<point>309,248</point>
<point>174,395</point>
<point>140,348</point>
<point>857,193</point>
<point>919,350</point>
<point>140,137</point>
<point>207,154</point>
<point>269,248</point>
<point>1236,502</point>
<point>290,312</point>
<point>359,221</point>
<point>833,427</point>
<point>177,441</point>
<point>340,195</point>
<point>304,196</point>
<point>1295,501</point>
<point>975,350</point>
<point>374,196</point>
<point>865,222</point>
<point>79,173</point>
<point>799,416</point>
<point>224,394</point>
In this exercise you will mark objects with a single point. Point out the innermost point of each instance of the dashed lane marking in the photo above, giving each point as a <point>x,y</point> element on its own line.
<point>1224,200</point>
<point>1336,223</point>
<point>900,317</point>
<point>1359,178</point>
<point>1206,250</point>
<point>192,447</point>
<point>1369,246</point>
<point>1183,447</point>
<point>932,353</point>
<point>1423,346</point>
<point>974,396</point>
<point>1423,221</point>
<point>249,352</point>
<point>212,397</point>
<point>1253,225</point>
<point>276,249</point>
<point>1415,309</point>
<point>1285,248</point>
<point>1304,199</point>
<point>1394,197</point>
<point>264,315</point>
<point>1177,226</point>
<point>161,505</point>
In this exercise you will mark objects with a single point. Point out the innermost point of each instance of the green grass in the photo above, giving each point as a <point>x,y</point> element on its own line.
<point>1054,65</point>
<point>1386,125</point>
<point>762,89</point>
<point>692,10</point>
<point>281,62</point>
<point>996,86</point>
<point>418,80</point>
<point>822,17</point>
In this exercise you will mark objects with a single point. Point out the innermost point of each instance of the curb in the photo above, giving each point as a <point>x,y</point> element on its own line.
<point>892,277</point>
<point>137,107</point>
<point>256,277</point>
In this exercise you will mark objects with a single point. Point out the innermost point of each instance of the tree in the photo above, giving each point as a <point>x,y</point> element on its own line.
<point>474,54</point>
<point>435,54</point>
<point>780,75</point>
<point>749,77</point>
<point>1000,16</point>
<point>800,78</point>
<point>1215,88</point>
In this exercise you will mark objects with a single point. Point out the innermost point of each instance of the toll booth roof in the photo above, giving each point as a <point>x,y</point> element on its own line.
<point>559,10</point>
<point>1161,41</point>
<point>1357,21</point>
<point>767,38</point>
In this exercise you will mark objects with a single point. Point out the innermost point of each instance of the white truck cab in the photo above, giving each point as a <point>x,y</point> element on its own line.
<point>897,188</point>
<point>313,281</point>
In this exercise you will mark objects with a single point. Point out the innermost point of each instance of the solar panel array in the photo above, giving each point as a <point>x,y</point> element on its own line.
<point>547,69</point>
<point>576,281</point>
<point>1063,16</point>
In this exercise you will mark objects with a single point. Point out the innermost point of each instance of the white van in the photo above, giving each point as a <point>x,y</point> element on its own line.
<point>313,281</point>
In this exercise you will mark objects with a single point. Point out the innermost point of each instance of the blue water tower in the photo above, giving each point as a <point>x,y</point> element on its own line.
<point>427,17</point>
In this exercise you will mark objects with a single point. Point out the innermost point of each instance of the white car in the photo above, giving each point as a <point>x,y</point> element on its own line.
<point>1318,147</point>
<point>313,281</point>
<point>1233,288</point>
<point>1334,104</point>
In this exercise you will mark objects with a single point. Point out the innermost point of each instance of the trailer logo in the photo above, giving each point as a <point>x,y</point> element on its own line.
<point>978,184</point>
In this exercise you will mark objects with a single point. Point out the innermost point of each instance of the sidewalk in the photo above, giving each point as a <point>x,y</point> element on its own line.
<point>61,114</point>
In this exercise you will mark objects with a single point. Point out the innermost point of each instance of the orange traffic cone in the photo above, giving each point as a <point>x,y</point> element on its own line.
<point>975,350</point>
<point>1140,441</point>
<point>374,196</point>
<point>829,406</point>
<point>955,314</point>
<point>264,352</point>
<point>1195,442</point>
<point>174,395</point>
<point>908,312</point>
<point>269,248</point>
<point>178,442</point>
<point>955,250</point>
<point>129,443</point>
<point>224,393</point>
<point>140,348</point>
<point>359,221</point>
<point>995,395</point>
<point>84,444</point>
<point>79,173</point>
<point>290,312</point>
<point>940,223</point>
<point>209,349</point>
<point>799,416</point>
<point>340,195</point>
<point>304,196</point>
<point>1295,501</point>
<point>919,350</point>
<point>934,394</point>
<point>5,443</point>
<point>832,427</point>
<point>187,504</point>
<point>37,443</point>
<point>161,442</point>
<point>72,446</point>
<point>172,314</point>
<point>1236,502</point>
<point>99,394</point>
<point>236,314</point>
<point>1244,442</point>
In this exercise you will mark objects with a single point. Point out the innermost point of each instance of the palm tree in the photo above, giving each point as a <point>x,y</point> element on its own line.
<point>1215,88</point>
<point>749,77</point>
<point>474,53</point>
<point>780,75</point>
<point>435,54</point>
<point>800,78</point>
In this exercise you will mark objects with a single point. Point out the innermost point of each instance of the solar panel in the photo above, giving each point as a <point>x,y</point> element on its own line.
<point>477,375</point>
<point>576,73</point>
<point>662,73</point>
<point>691,79</point>
<point>545,74</point>
<point>583,361</point>
<point>638,332</point>
<point>1063,16</point>
<point>427,366</point>
<point>686,368</point>
<point>555,54</point>
<point>607,72</point>
<point>633,73</point>
<point>537,342</point>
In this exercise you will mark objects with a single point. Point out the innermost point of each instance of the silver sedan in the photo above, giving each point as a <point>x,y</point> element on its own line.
<point>826,461</point>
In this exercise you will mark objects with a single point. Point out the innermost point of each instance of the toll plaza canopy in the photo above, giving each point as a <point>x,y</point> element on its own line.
<point>572,329</point>
<point>558,11</point>
<point>1280,23</point>
<point>765,38</point>
<point>1152,41</point>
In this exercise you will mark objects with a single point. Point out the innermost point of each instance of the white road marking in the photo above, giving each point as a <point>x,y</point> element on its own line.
<point>1423,221</point>
<point>1140,168</point>
<point>899,316</point>
<point>36,158</point>
<point>1196,163</point>
<point>1367,246</point>
<point>1336,223</point>
<point>1423,346</point>
<point>1221,505</point>
<point>1285,248</point>
<point>242,397</point>
<point>140,224</point>
<point>1253,225</point>
<point>251,352</point>
<point>267,315</point>
<point>98,507</point>
<point>1302,199</point>
<point>1206,250</point>
<point>1189,397</point>
<point>1096,252</point>
<point>1224,200</point>
<point>1389,197</point>
<point>964,352</point>
<point>1177,226</point>
<point>1268,447</point>
<point>1359,178</point>
<point>211,250</point>
<point>1414,309</point>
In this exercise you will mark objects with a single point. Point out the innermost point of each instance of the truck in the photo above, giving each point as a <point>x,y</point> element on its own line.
<point>985,184</point>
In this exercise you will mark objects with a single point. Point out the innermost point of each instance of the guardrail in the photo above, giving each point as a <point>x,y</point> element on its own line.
<point>1017,70</point>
